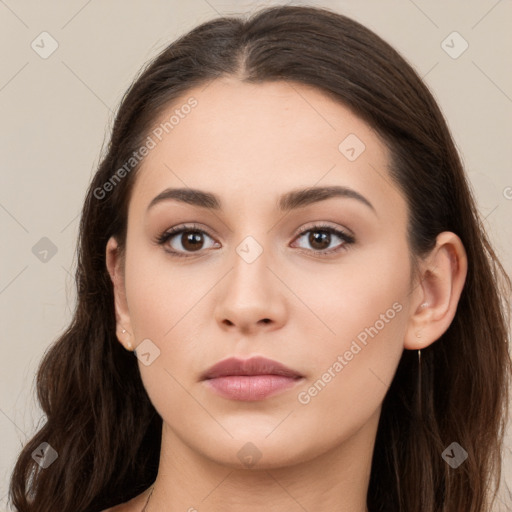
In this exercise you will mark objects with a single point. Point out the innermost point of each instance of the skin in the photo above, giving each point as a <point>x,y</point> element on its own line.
<point>249,144</point>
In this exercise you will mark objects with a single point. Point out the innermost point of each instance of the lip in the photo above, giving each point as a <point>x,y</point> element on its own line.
<point>250,379</point>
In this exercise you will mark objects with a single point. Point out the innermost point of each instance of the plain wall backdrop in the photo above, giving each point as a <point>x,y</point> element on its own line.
<point>65,67</point>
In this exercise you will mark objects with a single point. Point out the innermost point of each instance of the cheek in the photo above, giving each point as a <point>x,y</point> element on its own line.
<point>343,299</point>
<point>349,378</point>
<point>167,307</point>
<point>157,293</point>
<point>359,341</point>
<point>161,307</point>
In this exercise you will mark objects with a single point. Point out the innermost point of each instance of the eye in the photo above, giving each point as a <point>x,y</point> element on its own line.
<point>191,239</point>
<point>187,240</point>
<point>321,236</point>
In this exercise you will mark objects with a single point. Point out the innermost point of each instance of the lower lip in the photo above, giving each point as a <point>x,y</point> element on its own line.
<point>250,387</point>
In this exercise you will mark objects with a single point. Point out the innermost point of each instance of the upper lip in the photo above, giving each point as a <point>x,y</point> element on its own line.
<point>252,366</point>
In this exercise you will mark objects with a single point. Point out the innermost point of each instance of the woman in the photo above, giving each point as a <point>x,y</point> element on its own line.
<point>283,235</point>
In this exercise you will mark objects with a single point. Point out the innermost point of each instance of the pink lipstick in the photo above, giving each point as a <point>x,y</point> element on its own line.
<point>250,379</point>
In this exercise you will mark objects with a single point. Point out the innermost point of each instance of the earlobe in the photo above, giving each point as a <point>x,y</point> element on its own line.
<point>115,269</point>
<point>435,299</point>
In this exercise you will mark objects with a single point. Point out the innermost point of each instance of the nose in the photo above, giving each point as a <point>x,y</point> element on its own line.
<point>251,298</point>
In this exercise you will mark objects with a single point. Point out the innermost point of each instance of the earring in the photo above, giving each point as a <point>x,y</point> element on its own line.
<point>419,383</point>
<point>129,345</point>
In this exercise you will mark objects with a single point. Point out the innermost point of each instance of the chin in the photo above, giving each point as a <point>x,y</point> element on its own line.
<point>255,450</point>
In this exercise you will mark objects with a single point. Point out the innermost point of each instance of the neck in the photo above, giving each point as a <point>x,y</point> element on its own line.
<point>336,480</point>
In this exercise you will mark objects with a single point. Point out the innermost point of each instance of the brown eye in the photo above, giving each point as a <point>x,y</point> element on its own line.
<point>320,238</point>
<point>185,240</point>
<point>192,240</point>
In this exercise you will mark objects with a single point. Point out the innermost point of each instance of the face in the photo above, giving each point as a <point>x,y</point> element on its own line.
<point>319,283</point>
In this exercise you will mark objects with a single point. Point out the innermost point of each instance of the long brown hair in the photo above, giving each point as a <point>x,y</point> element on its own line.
<point>99,418</point>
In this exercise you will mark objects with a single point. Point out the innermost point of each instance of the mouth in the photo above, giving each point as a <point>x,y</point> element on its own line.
<point>251,379</point>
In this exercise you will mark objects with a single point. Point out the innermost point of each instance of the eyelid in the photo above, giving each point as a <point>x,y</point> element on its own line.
<point>179,229</point>
<point>325,225</point>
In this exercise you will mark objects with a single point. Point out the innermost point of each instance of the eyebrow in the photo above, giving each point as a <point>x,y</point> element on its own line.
<point>288,201</point>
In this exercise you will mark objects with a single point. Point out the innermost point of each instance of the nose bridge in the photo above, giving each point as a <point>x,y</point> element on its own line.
<point>250,273</point>
<point>251,292</point>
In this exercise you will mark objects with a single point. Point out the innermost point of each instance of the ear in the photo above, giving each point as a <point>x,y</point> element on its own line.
<point>436,296</point>
<point>115,267</point>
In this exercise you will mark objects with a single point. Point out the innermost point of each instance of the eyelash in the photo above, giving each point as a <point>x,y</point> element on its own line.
<point>347,239</point>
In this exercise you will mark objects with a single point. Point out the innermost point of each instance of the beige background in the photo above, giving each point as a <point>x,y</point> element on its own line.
<point>55,114</point>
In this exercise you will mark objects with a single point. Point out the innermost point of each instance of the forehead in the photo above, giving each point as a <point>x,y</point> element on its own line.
<point>228,111</point>
<point>267,138</point>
